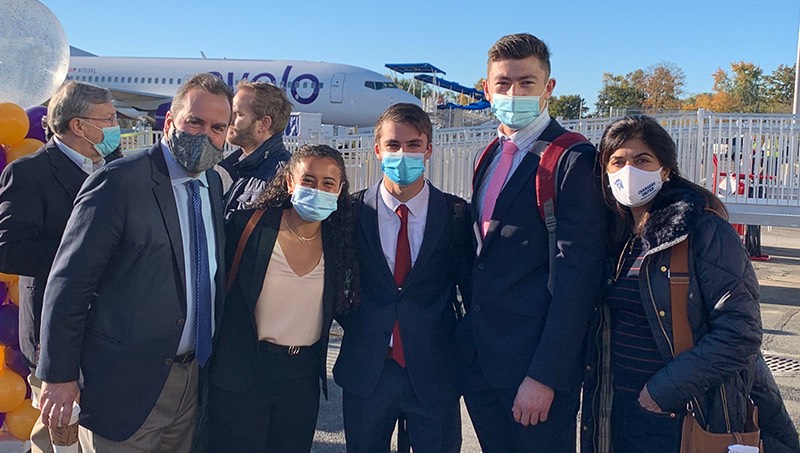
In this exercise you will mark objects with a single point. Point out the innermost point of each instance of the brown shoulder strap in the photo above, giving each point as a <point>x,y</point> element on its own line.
<point>679,297</point>
<point>248,229</point>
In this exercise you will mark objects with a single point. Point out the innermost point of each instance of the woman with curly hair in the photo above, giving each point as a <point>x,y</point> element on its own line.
<point>295,273</point>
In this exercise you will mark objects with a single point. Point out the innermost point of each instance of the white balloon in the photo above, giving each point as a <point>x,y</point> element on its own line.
<point>34,53</point>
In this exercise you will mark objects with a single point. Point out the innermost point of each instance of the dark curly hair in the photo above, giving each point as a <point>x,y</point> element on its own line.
<point>337,229</point>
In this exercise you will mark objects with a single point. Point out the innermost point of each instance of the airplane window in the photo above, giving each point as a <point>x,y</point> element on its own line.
<point>320,84</point>
<point>149,80</point>
<point>156,80</point>
<point>129,80</point>
<point>164,80</point>
<point>170,81</point>
<point>135,80</point>
<point>179,81</point>
<point>391,85</point>
<point>103,79</point>
<point>305,84</point>
<point>370,85</point>
<point>116,79</point>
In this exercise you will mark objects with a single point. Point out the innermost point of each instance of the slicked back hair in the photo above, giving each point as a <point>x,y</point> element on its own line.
<point>518,47</point>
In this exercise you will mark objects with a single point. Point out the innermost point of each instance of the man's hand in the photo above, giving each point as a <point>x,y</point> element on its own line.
<point>647,402</point>
<point>56,402</point>
<point>532,403</point>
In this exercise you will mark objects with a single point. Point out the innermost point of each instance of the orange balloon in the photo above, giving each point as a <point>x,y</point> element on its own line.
<point>13,292</point>
<point>8,278</point>
<point>12,390</point>
<point>20,420</point>
<point>14,123</point>
<point>23,148</point>
<point>3,360</point>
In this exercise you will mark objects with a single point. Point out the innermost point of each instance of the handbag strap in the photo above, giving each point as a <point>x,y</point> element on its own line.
<point>248,229</point>
<point>679,297</point>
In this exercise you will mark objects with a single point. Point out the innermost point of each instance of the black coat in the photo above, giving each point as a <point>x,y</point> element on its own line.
<point>724,316</point>
<point>36,196</point>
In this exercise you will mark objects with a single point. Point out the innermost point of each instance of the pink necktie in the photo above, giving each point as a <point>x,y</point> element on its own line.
<point>496,184</point>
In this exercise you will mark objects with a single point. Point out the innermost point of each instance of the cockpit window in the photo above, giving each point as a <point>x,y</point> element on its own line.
<point>379,85</point>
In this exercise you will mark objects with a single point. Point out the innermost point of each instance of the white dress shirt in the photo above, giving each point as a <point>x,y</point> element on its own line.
<point>389,222</point>
<point>83,162</point>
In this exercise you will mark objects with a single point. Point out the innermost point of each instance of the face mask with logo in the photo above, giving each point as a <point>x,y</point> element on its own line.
<point>195,153</point>
<point>516,112</point>
<point>403,168</point>
<point>313,205</point>
<point>633,187</point>
<point>110,142</point>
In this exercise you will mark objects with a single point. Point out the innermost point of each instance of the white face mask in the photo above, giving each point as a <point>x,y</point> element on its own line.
<point>633,187</point>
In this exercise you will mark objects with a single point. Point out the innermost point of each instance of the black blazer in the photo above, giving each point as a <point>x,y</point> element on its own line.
<point>115,303</point>
<point>36,196</point>
<point>515,325</point>
<point>424,306</point>
<point>234,363</point>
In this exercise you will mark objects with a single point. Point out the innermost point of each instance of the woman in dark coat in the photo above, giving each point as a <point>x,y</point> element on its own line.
<point>636,392</point>
<point>297,271</point>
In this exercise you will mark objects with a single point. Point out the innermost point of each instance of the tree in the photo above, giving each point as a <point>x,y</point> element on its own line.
<point>741,92</point>
<point>618,92</point>
<point>413,86</point>
<point>779,89</point>
<point>662,85</point>
<point>570,106</point>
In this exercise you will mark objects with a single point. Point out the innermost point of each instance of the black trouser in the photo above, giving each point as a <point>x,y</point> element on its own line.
<point>635,430</point>
<point>277,415</point>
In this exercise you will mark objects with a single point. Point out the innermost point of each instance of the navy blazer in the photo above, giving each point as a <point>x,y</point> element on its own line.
<point>516,326</point>
<point>424,306</point>
<point>36,196</point>
<point>235,361</point>
<point>115,303</point>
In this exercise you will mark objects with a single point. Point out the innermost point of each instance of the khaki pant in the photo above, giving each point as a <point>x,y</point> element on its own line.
<point>169,427</point>
<point>40,435</point>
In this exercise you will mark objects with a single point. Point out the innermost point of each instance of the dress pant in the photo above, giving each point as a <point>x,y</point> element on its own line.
<point>490,411</point>
<point>278,414</point>
<point>369,422</point>
<point>636,430</point>
<point>170,425</point>
<point>40,435</point>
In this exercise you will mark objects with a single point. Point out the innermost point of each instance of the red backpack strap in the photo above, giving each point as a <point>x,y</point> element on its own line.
<point>481,158</point>
<point>547,174</point>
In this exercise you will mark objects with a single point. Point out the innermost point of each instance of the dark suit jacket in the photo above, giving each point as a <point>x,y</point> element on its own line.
<point>36,196</point>
<point>424,306</point>
<point>115,303</point>
<point>234,363</point>
<point>516,326</point>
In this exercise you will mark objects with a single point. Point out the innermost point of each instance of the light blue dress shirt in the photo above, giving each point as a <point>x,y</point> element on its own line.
<point>180,189</point>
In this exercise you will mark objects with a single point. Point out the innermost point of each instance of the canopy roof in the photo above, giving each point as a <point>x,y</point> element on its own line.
<point>438,81</point>
<point>403,68</point>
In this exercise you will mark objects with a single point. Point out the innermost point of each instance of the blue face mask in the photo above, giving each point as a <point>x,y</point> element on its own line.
<point>111,139</point>
<point>403,168</point>
<point>516,112</point>
<point>313,205</point>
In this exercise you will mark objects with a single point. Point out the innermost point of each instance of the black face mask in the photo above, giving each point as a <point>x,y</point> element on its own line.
<point>195,153</point>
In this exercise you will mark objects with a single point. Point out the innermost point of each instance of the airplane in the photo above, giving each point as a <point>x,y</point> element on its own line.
<point>344,95</point>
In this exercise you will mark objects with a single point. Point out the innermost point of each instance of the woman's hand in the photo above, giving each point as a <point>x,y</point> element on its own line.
<point>647,402</point>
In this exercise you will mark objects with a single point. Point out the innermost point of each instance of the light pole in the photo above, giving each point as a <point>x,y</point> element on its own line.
<point>796,108</point>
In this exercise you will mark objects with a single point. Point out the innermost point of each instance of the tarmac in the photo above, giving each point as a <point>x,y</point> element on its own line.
<point>779,278</point>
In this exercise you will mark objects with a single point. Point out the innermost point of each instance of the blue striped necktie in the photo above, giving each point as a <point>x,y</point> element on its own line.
<point>202,282</point>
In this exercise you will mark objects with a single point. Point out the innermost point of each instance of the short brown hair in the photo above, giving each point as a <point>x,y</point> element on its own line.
<point>205,82</point>
<point>520,46</point>
<point>410,115</point>
<point>269,100</point>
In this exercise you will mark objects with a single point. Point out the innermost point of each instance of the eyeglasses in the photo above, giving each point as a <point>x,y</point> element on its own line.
<point>111,119</point>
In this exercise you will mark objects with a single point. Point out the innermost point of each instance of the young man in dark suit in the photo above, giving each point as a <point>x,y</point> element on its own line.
<point>523,336</point>
<point>136,288</point>
<point>398,355</point>
<point>36,196</point>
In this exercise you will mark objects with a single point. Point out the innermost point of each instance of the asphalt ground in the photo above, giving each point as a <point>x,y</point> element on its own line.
<point>779,278</point>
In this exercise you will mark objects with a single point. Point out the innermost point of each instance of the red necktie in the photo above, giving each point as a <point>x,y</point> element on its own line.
<point>402,267</point>
<point>496,184</point>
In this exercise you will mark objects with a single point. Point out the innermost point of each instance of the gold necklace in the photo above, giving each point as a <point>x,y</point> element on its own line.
<point>302,239</point>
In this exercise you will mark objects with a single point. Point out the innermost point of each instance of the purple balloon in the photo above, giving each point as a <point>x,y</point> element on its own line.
<point>16,362</point>
<point>35,115</point>
<point>3,292</point>
<point>9,325</point>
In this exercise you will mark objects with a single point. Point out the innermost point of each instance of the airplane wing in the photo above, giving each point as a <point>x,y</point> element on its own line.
<point>138,99</point>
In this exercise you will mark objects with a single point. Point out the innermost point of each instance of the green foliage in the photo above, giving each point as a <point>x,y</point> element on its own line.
<point>570,106</point>
<point>779,89</point>
<point>419,89</point>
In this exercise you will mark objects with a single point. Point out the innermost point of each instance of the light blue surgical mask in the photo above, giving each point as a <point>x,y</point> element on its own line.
<point>403,168</point>
<point>313,205</point>
<point>110,142</point>
<point>516,112</point>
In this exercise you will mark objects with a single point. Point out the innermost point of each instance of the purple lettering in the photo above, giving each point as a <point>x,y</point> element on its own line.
<point>285,79</point>
<point>314,83</point>
<point>265,75</point>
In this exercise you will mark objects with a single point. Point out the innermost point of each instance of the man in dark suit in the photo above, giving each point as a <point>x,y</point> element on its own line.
<point>523,342</point>
<point>36,196</point>
<point>261,111</point>
<point>137,284</point>
<point>398,355</point>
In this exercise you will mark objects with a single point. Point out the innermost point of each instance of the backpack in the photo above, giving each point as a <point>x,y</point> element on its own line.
<point>547,182</point>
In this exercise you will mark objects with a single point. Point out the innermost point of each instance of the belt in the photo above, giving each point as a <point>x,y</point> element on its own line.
<point>280,349</point>
<point>184,358</point>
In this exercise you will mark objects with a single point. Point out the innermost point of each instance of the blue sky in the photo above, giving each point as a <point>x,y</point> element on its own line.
<point>586,38</point>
